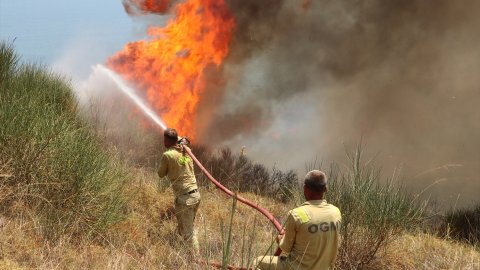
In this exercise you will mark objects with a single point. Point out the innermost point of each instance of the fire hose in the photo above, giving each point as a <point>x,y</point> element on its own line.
<point>262,210</point>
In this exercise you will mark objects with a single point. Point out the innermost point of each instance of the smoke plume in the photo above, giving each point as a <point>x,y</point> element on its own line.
<point>305,78</point>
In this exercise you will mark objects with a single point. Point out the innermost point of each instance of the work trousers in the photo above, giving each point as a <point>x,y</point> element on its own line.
<point>186,207</point>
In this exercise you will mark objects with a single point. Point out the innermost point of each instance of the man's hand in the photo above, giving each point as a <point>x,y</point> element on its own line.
<point>183,141</point>
<point>279,238</point>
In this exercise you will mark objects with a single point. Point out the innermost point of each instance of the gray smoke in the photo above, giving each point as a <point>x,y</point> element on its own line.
<point>306,78</point>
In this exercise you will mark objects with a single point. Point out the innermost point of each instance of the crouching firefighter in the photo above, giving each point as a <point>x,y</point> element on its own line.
<point>312,232</point>
<point>177,166</point>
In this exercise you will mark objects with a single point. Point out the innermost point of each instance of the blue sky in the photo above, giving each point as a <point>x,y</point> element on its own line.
<point>81,33</point>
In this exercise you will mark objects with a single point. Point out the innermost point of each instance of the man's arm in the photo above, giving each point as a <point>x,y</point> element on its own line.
<point>288,239</point>
<point>163,170</point>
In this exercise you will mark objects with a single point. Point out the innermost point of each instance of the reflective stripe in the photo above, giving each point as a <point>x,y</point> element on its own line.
<point>182,160</point>
<point>302,215</point>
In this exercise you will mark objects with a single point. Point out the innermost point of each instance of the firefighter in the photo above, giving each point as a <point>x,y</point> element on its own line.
<point>178,167</point>
<point>312,232</point>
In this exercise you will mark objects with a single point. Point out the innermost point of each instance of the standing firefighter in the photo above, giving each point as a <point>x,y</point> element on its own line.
<point>311,238</point>
<point>178,167</point>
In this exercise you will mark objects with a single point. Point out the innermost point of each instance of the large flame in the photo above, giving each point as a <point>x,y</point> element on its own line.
<point>170,66</point>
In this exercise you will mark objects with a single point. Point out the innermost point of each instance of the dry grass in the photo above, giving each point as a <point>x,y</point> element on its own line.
<point>424,251</point>
<point>147,238</point>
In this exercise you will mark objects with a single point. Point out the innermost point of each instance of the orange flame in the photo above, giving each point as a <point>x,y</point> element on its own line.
<point>169,67</point>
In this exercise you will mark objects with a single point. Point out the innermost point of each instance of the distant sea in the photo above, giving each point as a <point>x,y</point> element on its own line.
<point>48,31</point>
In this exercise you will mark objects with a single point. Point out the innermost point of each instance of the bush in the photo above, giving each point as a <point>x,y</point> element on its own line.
<point>50,162</point>
<point>239,173</point>
<point>464,225</point>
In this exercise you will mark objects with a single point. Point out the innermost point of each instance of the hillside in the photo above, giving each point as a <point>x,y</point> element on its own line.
<point>68,201</point>
<point>146,239</point>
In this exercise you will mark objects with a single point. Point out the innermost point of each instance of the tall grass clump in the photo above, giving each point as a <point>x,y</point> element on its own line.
<point>227,244</point>
<point>374,212</point>
<point>51,166</point>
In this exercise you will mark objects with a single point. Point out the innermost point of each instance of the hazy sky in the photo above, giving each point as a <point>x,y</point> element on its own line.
<point>47,31</point>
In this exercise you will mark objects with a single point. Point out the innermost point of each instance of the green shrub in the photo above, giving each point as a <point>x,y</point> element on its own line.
<point>50,162</point>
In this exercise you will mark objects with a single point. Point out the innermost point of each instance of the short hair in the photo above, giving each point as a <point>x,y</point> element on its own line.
<point>316,180</point>
<point>170,134</point>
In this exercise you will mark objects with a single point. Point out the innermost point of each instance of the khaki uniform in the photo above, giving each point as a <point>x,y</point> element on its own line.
<point>178,167</point>
<point>311,240</point>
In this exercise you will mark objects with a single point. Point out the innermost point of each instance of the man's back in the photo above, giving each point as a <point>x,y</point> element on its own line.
<point>179,169</point>
<point>312,235</point>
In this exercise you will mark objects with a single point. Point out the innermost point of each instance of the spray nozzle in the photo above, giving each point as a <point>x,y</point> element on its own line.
<point>183,141</point>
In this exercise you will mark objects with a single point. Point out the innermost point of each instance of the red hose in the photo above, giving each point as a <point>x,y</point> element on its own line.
<point>262,210</point>
<point>218,265</point>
